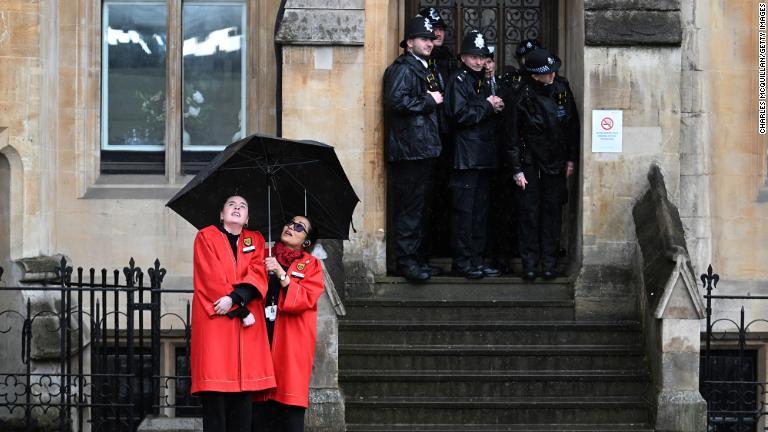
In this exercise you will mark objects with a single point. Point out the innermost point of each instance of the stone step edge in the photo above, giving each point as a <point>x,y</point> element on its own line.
<point>453,350</point>
<point>554,427</point>
<point>457,280</point>
<point>543,402</point>
<point>378,302</point>
<point>624,326</point>
<point>480,375</point>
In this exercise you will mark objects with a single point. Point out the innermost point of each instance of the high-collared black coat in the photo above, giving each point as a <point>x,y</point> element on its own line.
<point>544,127</point>
<point>410,112</point>
<point>473,120</point>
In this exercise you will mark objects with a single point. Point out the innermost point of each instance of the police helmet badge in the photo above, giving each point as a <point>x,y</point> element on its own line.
<point>427,25</point>
<point>479,41</point>
<point>433,14</point>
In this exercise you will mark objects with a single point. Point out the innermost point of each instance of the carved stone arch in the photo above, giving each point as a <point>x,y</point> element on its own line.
<point>11,200</point>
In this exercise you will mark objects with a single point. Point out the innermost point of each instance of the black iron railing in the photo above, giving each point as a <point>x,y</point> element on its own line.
<point>89,351</point>
<point>729,381</point>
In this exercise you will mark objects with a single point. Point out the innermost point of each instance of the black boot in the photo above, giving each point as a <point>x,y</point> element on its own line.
<point>413,273</point>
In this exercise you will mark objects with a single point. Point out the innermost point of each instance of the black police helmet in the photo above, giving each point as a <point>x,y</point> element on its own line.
<point>434,17</point>
<point>491,52</point>
<point>541,61</point>
<point>526,46</point>
<point>474,43</point>
<point>417,26</point>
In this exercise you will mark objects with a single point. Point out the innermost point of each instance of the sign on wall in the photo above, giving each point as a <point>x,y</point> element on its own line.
<point>607,131</point>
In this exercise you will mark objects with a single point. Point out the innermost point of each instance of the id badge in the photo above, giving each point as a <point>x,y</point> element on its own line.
<point>271,312</point>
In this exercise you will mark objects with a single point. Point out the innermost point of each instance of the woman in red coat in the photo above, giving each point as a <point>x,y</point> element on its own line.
<point>230,355</point>
<point>295,284</point>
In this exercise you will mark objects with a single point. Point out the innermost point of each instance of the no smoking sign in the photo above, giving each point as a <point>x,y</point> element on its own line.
<point>607,131</point>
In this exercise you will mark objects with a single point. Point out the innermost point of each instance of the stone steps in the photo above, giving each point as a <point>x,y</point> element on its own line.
<point>498,354</point>
<point>615,427</point>
<point>490,332</point>
<point>506,410</point>
<point>479,383</point>
<point>485,357</point>
<point>456,288</point>
<point>463,310</point>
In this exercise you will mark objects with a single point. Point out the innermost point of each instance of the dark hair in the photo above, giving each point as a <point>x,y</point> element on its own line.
<point>311,230</point>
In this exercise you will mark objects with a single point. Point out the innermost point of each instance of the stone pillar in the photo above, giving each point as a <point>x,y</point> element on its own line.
<point>323,63</point>
<point>679,405</point>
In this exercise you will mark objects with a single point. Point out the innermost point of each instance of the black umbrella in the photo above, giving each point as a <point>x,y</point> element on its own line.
<point>280,178</point>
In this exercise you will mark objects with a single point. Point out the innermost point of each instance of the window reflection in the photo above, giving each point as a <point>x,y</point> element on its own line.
<point>133,73</point>
<point>213,93</point>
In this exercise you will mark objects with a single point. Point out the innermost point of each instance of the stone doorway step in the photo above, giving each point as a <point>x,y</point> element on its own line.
<point>491,355</point>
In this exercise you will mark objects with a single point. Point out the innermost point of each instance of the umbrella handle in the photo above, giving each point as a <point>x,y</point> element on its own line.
<point>269,214</point>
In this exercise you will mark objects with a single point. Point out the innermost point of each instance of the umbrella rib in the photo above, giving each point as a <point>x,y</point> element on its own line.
<point>320,205</point>
<point>260,163</point>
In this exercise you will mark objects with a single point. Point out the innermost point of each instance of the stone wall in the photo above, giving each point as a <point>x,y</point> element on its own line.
<point>641,78</point>
<point>727,163</point>
<point>21,80</point>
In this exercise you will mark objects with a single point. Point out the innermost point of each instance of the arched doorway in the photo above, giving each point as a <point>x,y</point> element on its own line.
<point>504,23</point>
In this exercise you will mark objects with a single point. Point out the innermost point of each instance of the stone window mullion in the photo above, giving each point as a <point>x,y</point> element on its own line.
<point>173,90</point>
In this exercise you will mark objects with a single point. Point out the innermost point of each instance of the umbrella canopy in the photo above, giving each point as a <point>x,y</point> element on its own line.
<point>279,178</point>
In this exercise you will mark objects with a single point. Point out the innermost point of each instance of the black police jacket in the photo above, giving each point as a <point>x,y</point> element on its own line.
<point>473,120</point>
<point>410,113</point>
<point>544,127</point>
<point>444,63</point>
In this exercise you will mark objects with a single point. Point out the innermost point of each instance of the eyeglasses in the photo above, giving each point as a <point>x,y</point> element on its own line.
<point>296,226</point>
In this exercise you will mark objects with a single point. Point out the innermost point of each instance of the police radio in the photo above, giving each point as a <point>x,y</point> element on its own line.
<point>432,83</point>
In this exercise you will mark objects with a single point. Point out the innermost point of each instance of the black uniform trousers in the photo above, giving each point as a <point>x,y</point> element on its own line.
<point>226,412</point>
<point>271,416</point>
<point>411,183</point>
<point>540,216</point>
<point>469,216</point>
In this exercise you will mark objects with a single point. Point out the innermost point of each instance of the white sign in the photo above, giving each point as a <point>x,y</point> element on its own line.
<point>607,131</point>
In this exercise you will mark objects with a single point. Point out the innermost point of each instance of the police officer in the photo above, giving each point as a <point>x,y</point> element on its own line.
<point>473,111</point>
<point>542,149</point>
<point>525,47</point>
<point>441,61</point>
<point>502,230</point>
<point>411,99</point>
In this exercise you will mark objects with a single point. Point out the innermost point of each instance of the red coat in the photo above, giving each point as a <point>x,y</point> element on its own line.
<point>295,333</point>
<point>225,356</point>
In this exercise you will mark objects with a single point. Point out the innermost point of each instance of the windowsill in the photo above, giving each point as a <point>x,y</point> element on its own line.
<point>135,186</point>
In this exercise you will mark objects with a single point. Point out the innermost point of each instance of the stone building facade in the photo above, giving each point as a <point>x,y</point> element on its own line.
<point>684,73</point>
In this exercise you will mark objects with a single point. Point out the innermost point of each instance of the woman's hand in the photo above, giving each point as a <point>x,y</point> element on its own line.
<point>520,180</point>
<point>569,167</point>
<point>249,320</point>
<point>273,266</point>
<point>222,305</point>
